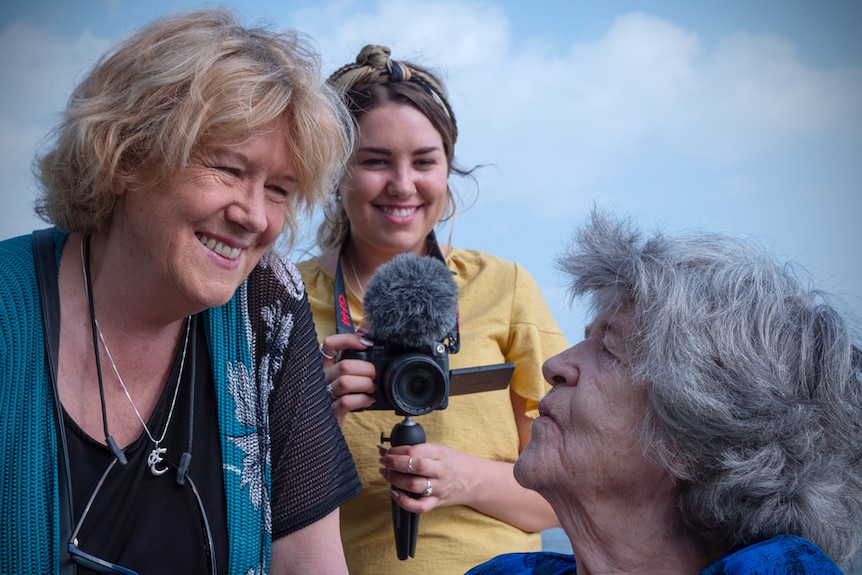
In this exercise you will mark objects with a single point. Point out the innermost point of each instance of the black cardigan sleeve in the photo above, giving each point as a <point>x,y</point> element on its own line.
<point>312,470</point>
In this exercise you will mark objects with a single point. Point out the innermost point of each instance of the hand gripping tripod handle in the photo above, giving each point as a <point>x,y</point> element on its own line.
<point>406,524</point>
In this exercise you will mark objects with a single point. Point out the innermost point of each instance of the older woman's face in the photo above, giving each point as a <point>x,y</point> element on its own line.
<point>586,438</point>
<point>197,237</point>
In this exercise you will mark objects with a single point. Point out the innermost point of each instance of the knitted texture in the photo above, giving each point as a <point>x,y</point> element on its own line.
<point>28,445</point>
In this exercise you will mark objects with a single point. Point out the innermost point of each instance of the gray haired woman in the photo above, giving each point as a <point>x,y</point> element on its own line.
<point>708,423</point>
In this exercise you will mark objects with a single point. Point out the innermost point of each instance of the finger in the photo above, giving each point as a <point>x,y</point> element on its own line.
<point>332,345</point>
<point>418,485</point>
<point>346,386</point>
<point>353,401</point>
<point>363,327</point>
<point>412,503</point>
<point>404,463</point>
<point>327,356</point>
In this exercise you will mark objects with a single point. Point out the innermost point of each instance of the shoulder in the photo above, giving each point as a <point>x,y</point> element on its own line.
<point>318,279</point>
<point>472,264</point>
<point>18,267</point>
<point>544,563</point>
<point>310,267</point>
<point>17,252</point>
<point>274,272</point>
<point>485,273</point>
<point>470,258</point>
<point>16,256</point>
<point>784,554</point>
<point>15,244</point>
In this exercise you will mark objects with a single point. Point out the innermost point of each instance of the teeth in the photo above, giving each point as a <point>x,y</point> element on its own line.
<point>219,248</point>
<point>400,212</point>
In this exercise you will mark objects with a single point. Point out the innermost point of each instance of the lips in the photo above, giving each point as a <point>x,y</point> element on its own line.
<point>544,412</point>
<point>219,247</point>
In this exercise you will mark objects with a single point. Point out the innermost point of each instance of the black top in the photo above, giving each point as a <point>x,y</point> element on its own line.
<point>152,525</point>
<point>149,523</point>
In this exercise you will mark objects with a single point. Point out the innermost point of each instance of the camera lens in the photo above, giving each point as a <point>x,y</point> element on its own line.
<point>415,384</point>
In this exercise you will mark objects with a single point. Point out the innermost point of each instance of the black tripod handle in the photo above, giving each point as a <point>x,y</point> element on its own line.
<point>406,523</point>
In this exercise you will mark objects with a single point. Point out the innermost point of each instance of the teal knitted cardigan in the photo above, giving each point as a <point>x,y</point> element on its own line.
<point>29,492</point>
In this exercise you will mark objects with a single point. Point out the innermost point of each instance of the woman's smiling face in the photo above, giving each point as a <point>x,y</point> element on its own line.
<point>396,189</point>
<point>197,237</point>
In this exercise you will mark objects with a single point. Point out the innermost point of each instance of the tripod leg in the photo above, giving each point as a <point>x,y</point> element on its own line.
<point>406,524</point>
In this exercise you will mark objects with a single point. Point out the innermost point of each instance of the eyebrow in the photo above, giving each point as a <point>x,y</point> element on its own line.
<point>428,150</point>
<point>388,152</point>
<point>375,150</point>
<point>221,149</point>
<point>608,326</point>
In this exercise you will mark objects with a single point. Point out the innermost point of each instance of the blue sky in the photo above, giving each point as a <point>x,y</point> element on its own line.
<point>735,116</point>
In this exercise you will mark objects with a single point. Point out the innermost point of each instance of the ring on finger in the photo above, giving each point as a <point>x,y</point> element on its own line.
<point>324,354</point>
<point>428,491</point>
<point>332,395</point>
<point>410,465</point>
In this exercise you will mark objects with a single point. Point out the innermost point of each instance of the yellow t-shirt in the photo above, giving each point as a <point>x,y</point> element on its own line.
<point>503,318</point>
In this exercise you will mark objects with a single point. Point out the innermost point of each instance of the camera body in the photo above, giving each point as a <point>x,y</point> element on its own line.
<point>409,380</point>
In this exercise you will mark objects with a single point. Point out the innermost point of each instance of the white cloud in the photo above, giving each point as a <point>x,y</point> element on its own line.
<point>754,94</point>
<point>452,34</point>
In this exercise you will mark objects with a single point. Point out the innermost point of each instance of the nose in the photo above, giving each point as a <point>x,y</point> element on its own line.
<point>401,182</point>
<point>249,209</point>
<point>561,369</point>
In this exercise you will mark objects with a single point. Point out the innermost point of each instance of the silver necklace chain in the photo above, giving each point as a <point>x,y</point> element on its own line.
<point>156,455</point>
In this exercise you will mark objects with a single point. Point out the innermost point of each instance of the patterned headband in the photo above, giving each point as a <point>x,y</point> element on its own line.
<point>374,66</point>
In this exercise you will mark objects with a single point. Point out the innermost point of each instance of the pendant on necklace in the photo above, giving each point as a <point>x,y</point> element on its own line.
<point>155,458</point>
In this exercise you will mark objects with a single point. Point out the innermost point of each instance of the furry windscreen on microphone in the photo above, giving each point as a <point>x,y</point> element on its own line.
<point>411,301</point>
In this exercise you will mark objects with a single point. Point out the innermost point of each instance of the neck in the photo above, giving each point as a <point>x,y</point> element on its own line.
<point>350,271</point>
<point>361,261</point>
<point>632,538</point>
<point>129,339</point>
<point>126,299</point>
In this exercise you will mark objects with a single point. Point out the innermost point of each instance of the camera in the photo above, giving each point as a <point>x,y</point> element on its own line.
<point>410,380</point>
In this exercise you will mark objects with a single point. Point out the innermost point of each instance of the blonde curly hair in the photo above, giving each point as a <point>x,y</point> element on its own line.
<point>178,84</point>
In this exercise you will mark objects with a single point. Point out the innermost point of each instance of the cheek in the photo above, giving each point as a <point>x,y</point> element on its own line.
<point>436,185</point>
<point>357,194</point>
<point>275,219</point>
<point>361,185</point>
<point>438,195</point>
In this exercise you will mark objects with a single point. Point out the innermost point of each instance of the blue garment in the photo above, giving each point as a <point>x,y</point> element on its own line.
<point>267,374</point>
<point>781,555</point>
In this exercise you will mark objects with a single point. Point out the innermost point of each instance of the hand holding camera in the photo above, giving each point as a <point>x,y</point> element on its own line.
<point>412,309</point>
